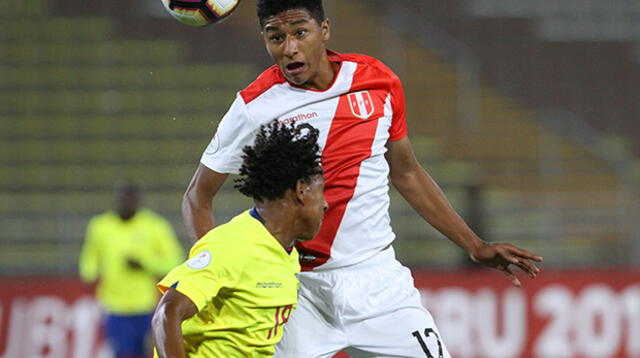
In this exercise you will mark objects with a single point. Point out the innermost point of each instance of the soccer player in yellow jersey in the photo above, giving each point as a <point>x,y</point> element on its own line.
<point>124,253</point>
<point>238,288</point>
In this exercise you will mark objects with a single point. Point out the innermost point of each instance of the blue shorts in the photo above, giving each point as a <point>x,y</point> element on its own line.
<point>128,334</point>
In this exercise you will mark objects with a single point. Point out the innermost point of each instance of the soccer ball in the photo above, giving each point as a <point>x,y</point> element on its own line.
<point>200,12</point>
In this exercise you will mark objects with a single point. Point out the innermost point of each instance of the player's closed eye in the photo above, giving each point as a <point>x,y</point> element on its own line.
<point>275,38</point>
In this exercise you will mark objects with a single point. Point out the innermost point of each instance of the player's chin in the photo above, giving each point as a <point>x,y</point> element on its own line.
<point>310,235</point>
<point>298,79</point>
<point>306,237</point>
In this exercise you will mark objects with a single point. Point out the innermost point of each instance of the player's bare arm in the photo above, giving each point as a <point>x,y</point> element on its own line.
<point>426,197</point>
<point>197,210</point>
<point>173,308</point>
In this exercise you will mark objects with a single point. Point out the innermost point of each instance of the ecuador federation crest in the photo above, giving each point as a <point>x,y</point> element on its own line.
<point>361,104</point>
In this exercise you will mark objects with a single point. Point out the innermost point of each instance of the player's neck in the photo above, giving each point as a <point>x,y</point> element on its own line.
<point>325,77</point>
<point>277,218</point>
<point>127,215</point>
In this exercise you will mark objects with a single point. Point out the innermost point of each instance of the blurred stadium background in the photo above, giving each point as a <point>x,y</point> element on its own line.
<point>527,112</point>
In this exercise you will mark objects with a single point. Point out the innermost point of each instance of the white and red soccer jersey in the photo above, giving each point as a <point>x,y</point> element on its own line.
<point>356,116</point>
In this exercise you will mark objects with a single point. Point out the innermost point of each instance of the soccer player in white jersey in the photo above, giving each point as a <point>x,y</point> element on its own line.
<point>354,295</point>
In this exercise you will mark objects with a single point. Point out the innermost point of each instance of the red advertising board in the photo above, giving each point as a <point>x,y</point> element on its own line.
<point>561,314</point>
<point>49,317</point>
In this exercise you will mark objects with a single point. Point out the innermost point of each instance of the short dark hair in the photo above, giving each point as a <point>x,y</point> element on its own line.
<point>266,8</point>
<point>281,155</point>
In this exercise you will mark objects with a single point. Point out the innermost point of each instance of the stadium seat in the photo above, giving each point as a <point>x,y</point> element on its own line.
<point>26,9</point>
<point>56,29</point>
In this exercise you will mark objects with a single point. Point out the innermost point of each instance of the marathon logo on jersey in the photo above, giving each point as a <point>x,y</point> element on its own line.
<point>270,284</point>
<point>299,117</point>
<point>361,104</point>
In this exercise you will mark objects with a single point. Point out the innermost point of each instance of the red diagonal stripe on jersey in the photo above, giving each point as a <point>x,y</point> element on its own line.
<point>348,144</point>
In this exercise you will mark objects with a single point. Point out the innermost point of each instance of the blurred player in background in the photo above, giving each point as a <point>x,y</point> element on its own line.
<point>124,253</point>
<point>239,287</point>
<point>354,294</point>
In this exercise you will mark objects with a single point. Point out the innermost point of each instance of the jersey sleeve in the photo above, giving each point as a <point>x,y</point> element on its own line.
<point>88,263</point>
<point>236,130</point>
<point>398,128</point>
<point>211,267</point>
<point>165,251</point>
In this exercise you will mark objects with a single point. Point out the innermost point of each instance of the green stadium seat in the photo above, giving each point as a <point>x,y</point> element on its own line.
<point>173,103</point>
<point>199,127</point>
<point>129,52</point>
<point>27,9</point>
<point>56,29</point>
<point>427,148</point>
<point>454,173</point>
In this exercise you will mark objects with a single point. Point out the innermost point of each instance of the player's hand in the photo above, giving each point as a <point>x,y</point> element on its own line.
<point>134,264</point>
<point>500,256</point>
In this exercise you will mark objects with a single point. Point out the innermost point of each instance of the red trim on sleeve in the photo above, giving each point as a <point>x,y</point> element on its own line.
<point>269,78</point>
<point>398,128</point>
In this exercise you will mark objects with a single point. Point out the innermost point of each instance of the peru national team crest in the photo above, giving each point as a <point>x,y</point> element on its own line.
<point>361,104</point>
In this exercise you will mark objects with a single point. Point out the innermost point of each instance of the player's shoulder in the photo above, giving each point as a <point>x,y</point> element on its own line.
<point>358,58</point>
<point>238,233</point>
<point>232,244</point>
<point>151,216</point>
<point>266,80</point>
<point>369,64</point>
<point>105,218</point>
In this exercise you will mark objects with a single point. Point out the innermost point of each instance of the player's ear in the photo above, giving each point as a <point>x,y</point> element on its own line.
<point>325,27</point>
<point>302,191</point>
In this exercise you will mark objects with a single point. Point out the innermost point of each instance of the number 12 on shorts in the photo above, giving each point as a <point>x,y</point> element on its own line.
<point>281,317</point>
<point>422,340</point>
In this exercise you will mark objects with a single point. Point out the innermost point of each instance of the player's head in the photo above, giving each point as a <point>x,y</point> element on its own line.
<point>268,8</point>
<point>284,164</point>
<point>295,32</point>
<point>127,196</point>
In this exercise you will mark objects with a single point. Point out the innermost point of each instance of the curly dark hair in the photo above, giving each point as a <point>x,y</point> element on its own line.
<point>281,155</point>
<point>266,8</point>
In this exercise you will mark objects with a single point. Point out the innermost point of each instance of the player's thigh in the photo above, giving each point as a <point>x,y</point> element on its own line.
<point>128,334</point>
<point>408,332</point>
<point>310,334</point>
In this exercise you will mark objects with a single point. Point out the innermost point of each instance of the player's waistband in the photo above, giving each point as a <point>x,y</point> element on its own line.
<point>382,257</point>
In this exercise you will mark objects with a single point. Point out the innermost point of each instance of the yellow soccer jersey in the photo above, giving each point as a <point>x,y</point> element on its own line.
<point>147,238</point>
<point>243,283</point>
